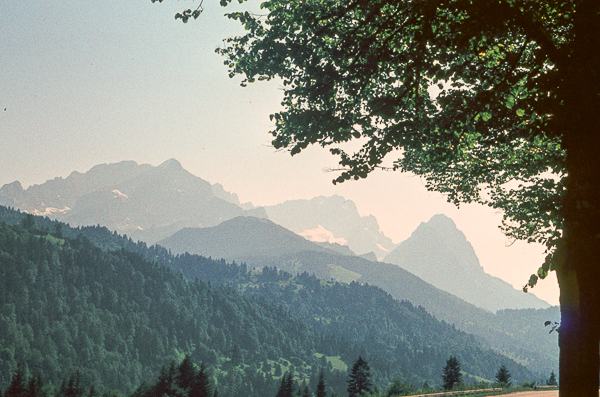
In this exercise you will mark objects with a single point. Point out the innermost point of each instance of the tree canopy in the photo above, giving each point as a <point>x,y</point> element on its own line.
<point>365,71</point>
<point>495,102</point>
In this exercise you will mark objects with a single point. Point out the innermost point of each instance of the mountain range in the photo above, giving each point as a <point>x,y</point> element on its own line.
<point>150,203</point>
<point>145,202</point>
<point>167,204</point>
<point>154,203</point>
<point>435,268</point>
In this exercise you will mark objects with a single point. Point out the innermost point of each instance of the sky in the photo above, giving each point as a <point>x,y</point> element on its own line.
<point>87,83</point>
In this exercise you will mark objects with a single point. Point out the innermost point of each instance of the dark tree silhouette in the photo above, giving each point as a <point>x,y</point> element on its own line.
<point>18,382</point>
<point>321,386</point>
<point>552,380</point>
<point>503,376</point>
<point>451,373</point>
<point>360,378</point>
<point>286,388</point>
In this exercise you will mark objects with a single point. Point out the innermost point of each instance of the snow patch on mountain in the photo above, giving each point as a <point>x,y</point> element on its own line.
<point>381,247</point>
<point>322,235</point>
<point>119,194</point>
<point>50,210</point>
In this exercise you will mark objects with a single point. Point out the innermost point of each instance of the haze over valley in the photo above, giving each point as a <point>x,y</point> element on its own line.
<point>182,212</point>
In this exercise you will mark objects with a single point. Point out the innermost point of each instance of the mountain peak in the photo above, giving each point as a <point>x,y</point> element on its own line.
<point>13,187</point>
<point>171,164</point>
<point>11,193</point>
<point>441,221</point>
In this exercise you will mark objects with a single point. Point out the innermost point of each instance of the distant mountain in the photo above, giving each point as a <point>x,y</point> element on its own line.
<point>442,249</point>
<point>145,202</point>
<point>334,220</point>
<point>58,196</point>
<point>260,242</point>
<point>440,254</point>
<point>246,239</point>
<point>151,203</point>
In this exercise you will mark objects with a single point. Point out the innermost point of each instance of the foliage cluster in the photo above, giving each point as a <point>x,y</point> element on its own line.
<point>183,380</point>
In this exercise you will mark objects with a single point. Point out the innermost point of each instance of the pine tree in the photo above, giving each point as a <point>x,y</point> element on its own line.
<point>187,373</point>
<point>360,378</point>
<point>28,222</point>
<point>503,376</point>
<point>286,388</point>
<point>451,374</point>
<point>552,380</point>
<point>74,387</point>
<point>35,388</point>
<point>201,386</point>
<point>17,386</point>
<point>306,392</point>
<point>166,383</point>
<point>321,386</point>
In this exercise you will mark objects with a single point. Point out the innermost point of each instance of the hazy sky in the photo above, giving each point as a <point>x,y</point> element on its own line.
<point>84,83</point>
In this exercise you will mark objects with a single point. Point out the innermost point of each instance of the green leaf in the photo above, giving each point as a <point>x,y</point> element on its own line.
<point>485,116</point>
<point>520,112</point>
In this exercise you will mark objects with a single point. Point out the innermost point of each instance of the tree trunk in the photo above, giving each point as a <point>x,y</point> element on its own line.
<point>579,342</point>
<point>579,271</point>
<point>579,277</point>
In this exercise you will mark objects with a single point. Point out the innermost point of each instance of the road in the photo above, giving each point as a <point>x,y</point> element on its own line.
<point>538,393</point>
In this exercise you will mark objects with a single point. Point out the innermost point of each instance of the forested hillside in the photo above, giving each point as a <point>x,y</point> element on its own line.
<point>118,317</point>
<point>66,306</point>
<point>397,335</point>
<point>261,243</point>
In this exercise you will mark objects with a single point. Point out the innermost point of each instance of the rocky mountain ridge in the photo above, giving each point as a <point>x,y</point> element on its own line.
<point>332,220</point>
<point>440,254</point>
